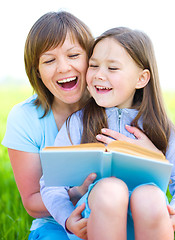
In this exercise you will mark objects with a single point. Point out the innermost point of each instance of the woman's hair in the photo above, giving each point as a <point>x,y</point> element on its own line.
<point>48,32</point>
<point>148,100</point>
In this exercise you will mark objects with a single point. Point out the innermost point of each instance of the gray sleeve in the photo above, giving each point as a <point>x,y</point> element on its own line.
<point>56,199</point>
<point>57,202</point>
<point>70,129</point>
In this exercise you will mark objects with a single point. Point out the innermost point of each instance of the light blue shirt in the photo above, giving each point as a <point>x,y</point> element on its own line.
<point>27,131</point>
<point>117,119</point>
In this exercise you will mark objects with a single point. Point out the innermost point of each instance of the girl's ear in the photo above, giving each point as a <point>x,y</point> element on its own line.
<point>143,79</point>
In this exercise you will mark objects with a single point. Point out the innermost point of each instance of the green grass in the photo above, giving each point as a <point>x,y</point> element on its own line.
<point>14,220</point>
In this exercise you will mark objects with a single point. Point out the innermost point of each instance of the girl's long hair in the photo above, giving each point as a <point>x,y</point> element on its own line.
<point>148,100</point>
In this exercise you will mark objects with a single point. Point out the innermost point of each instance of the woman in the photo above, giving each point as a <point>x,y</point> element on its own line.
<point>56,62</point>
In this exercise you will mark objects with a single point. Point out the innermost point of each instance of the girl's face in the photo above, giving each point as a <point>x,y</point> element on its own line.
<point>112,76</point>
<point>63,70</point>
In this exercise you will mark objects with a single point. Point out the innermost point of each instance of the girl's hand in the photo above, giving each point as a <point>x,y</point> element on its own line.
<point>172,215</point>
<point>76,224</point>
<point>77,192</point>
<point>141,139</point>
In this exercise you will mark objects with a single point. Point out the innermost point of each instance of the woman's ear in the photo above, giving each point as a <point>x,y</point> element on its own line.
<point>38,73</point>
<point>143,79</point>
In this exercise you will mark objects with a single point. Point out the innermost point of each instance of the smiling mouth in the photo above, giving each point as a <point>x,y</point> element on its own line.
<point>101,89</point>
<point>68,83</point>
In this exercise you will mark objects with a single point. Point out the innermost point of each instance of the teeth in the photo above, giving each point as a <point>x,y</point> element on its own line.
<point>67,80</point>
<point>107,88</point>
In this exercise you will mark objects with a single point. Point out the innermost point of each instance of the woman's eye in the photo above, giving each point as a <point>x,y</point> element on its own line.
<point>74,55</point>
<point>49,61</point>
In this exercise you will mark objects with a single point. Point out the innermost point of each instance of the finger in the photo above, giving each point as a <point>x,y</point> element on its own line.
<point>113,134</point>
<point>83,228</point>
<point>83,233</point>
<point>78,210</point>
<point>89,180</point>
<point>104,139</point>
<point>84,187</point>
<point>83,224</point>
<point>171,210</point>
<point>135,131</point>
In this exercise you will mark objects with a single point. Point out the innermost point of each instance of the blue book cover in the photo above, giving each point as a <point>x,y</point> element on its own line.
<point>69,166</point>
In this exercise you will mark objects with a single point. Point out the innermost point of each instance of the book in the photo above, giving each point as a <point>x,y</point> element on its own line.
<point>135,165</point>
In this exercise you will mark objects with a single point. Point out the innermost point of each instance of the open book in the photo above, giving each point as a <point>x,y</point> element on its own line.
<point>135,165</point>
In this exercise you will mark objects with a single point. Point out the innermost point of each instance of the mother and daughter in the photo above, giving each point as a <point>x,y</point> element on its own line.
<point>126,104</point>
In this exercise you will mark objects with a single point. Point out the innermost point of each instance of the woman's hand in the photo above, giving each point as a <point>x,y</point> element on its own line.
<point>172,215</point>
<point>141,139</point>
<point>76,224</point>
<point>77,192</point>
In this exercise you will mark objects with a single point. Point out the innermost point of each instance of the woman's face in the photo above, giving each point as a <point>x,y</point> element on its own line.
<point>63,70</point>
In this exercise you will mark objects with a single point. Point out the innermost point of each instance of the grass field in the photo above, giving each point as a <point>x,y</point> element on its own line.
<point>14,221</point>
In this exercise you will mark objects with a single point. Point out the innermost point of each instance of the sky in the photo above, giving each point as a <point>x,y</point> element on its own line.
<point>154,17</point>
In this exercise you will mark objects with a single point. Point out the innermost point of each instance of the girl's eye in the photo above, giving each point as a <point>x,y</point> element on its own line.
<point>49,61</point>
<point>93,66</point>
<point>113,68</point>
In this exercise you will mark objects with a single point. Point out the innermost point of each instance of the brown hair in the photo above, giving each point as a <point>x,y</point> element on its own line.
<point>48,32</point>
<point>148,100</point>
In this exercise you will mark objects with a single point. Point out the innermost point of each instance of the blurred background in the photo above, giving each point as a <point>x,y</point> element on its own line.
<point>154,17</point>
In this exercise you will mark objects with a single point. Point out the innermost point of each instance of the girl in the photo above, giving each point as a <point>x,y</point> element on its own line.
<point>123,80</point>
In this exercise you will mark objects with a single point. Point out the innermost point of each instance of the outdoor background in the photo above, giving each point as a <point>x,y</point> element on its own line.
<point>156,18</point>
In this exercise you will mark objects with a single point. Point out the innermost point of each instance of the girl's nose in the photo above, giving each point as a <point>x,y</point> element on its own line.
<point>100,75</point>
<point>101,78</point>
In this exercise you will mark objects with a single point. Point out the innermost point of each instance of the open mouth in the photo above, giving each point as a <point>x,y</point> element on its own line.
<point>101,89</point>
<point>68,83</point>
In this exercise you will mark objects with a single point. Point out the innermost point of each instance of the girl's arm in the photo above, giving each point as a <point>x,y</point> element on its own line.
<point>27,171</point>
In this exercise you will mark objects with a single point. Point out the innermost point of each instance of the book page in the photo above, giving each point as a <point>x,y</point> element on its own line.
<point>133,149</point>
<point>85,146</point>
<point>118,146</point>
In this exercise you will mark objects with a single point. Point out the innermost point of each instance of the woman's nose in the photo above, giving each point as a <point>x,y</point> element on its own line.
<point>63,66</point>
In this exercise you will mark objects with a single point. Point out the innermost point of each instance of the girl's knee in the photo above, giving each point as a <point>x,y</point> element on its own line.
<point>147,194</point>
<point>109,193</point>
<point>148,201</point>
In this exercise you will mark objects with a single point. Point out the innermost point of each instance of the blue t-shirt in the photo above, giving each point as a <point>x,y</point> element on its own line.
<point>28,131</point>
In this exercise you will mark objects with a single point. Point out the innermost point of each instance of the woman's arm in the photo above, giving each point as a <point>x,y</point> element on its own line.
<point>27,171</point>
